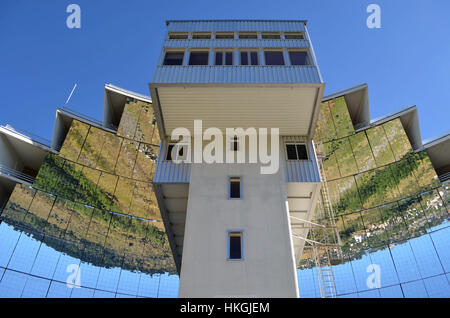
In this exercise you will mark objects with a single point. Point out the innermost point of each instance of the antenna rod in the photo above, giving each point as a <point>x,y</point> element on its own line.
<point>73,89</point>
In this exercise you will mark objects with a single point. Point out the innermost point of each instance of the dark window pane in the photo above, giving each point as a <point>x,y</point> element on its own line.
<point>298,58</point>
<point>228,58</point>
<point>235,144</point>
<point>291,152</point>
<point>301,152</point>
<point>254,58</point>
<point>201,36</point>
<point>273,36</point>
<point>293,36</point>
<point>235,246</point>
<point>248,36</point>
<point>178,36</point>
<point>218,58</point>
<point>173,58</point>
<point>169,152</point>
<point>235,188</point>
<point>274,58</point>
<point>244,58</point>
<point>225,36</point>
<point>198,58</point>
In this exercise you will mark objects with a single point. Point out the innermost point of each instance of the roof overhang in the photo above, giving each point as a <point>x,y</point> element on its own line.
<point>293,108</point>
<point>114,103</point>
<point>438,150</point>
<point>357,99</point>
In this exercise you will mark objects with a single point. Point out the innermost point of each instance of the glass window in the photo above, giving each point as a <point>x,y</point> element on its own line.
<point>271,36</point>
<point>248,35</point>
<point>249,58</point>
<point>296,152</point>
<point>173,58</point>
<point>293,36</point>
<point>224,35</point>
<point>298,57</point>
<point>235,245</point>
<point>178,36</point>
<point>201,36</point>
<point>235,187</point>
<point>198,58</point>
<point>170,152</point>
<point>235,144</point>
<point>274,57</point>
<point>224,58</point>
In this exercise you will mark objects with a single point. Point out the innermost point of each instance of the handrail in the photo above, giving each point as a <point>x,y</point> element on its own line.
<point>25,133</point>
<point>92,119</point>
<point>7,171</point>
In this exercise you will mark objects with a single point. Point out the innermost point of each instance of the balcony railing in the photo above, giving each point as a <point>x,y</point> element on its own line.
<point>171,172</point>
<point>12,173</point>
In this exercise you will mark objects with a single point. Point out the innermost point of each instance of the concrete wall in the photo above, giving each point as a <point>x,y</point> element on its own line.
<point>268,268</point>
<point>8,155</point>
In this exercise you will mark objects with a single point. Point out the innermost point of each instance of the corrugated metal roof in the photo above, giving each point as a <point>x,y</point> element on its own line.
<point>236,25</point>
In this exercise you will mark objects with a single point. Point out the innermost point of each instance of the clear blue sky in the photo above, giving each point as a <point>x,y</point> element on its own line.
<point>406,62</point>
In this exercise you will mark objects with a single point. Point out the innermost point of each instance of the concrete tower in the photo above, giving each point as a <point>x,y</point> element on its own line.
<point>232,227</point>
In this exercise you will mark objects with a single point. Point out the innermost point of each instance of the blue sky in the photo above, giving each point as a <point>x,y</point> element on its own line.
<point>406,62</point>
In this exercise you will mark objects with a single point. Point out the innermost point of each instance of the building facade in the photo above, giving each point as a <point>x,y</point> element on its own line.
<point>103,210</point>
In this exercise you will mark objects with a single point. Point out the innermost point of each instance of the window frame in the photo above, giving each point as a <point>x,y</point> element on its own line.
<point>224,53</point>
<point>199,51</point>
<point>172,52</point>
<point>289,51</point>
<point>267,35</point>
<point>169,145</point>
<point>230,180</point>
<point>277,50</point>
<point>178,34</point>
<point>301,34</point>
<point>246,35</point>
<point>296,151</point>
<point>201,35</point>
<point>232,34</point>
<point>248,52</point>
<point>240,234</point>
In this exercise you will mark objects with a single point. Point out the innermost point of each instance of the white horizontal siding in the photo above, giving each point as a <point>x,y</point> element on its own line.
<point>302,170</point>
<point>170,172</point>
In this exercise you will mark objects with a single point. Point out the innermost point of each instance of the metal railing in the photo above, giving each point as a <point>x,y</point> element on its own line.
<point>444,177</point>
<point>9,172</point>
<point>44,141</point>
<point>89,118</point>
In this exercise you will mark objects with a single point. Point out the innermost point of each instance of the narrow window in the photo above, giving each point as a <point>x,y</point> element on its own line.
<point>224,58</point>
<point>296,152</point>
<point>178,36</point>
<point>201,36</point>
<point>235,144</point>
<point>235,245</point>
<point>293,36</point>
<point>298,57</point>
<point>249,58</point>
<point>173,58</point>
<point>272,36</point>
<point>235,188</point>
<point>274,57</point>
<point>223,36</point>
<point>250,35</point>
<point>198,58</point>
<point>179,155</point>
